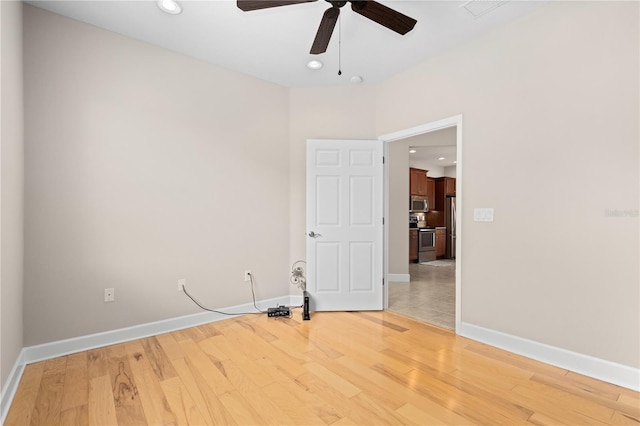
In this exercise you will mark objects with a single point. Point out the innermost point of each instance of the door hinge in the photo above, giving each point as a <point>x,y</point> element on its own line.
<point>383,220</point>
<point>382,160</point>
<point>383,282</point>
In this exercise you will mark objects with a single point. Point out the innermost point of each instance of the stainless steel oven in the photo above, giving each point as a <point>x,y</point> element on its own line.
<point>427,245</point>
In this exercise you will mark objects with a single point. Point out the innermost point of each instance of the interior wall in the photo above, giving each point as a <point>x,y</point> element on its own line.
<point>398,194</point>
<point>322,113</point>
<point>144,167</point>
<point>11,182</point>
<point>555,92</point>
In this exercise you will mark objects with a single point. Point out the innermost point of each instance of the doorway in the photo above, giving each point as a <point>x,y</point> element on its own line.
<point>396,190</point>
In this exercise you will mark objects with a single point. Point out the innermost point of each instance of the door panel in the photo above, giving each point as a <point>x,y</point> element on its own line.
<point>344,212</point>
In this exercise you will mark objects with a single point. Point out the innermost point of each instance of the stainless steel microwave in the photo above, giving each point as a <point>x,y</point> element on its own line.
<point>418,204</point>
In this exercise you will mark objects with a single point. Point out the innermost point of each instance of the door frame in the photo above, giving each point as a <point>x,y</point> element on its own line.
<point>386,139</point>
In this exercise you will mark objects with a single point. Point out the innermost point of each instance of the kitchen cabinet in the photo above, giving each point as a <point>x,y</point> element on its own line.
<point>449,186</point>
<point>431,193</point>
<point>441,243</point>
<point>418,182</point>
<point>413,245</point>
<point>444,186</point>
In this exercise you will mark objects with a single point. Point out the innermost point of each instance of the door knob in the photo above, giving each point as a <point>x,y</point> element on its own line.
<point>314,235</point>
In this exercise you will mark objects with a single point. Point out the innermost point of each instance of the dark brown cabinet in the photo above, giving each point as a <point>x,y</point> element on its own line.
<point>431,193</point>
<point>441,243</point>
<point>421,185</point>
<point>450,186</point>
<point>413,245</point>
<point>418,182</point>
<point>444,186</point>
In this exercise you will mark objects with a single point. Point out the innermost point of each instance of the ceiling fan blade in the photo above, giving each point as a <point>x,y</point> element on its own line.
<point>249,5</point>
<point>325,30</point>
<point>384,15</point>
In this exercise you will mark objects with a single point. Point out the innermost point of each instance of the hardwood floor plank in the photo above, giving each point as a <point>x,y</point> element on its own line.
<point>76,383</point>
<point>24,400</point>
<point>189,382</point>
<point>240,409</point>
<point>49,400</point>
<point>629,400</point>
<point>599,386</point>
<point>544,397</point>
<point>248,366</point>
<point>335,381</point>
<point>181,403</point>
<point>102,411</point>
<point>217,411</point>
<point>129,410</point>
<point>294,407</point>
<point>158,359</point>
<point>97,364</point>
<point>253,326</point>
<point>605,397</point>
<point>154,404</point>
<point>207,368</point>
<point>619,418</point>
<point>170,346</point>
<point>417,416</point>
<point>75,416</point>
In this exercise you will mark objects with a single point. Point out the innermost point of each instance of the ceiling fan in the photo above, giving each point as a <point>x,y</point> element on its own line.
<point>373,10</point>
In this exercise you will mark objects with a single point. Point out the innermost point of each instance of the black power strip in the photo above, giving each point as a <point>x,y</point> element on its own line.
<point>279,311</point>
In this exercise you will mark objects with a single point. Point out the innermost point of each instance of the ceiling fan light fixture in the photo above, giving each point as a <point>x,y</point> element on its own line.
<point>169,6</point>
<point>314,64</point>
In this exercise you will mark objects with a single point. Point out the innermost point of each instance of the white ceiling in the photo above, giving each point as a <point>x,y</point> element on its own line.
<point>273,44</point>
<point>431,146</point>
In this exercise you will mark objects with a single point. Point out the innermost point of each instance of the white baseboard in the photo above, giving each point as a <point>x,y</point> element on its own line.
<point>50,350</point>
<point>399,278</point>
<point>611,372</point>
<point>98,340</point>
<point>11,386</point>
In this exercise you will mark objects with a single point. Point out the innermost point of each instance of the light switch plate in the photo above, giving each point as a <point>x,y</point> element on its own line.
<point>483,214</point>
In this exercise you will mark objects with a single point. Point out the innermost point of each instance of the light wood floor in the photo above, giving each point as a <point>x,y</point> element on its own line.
<point>339,368</point>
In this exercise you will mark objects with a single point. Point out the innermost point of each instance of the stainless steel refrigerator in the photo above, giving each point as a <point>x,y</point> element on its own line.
<point>450,222</point>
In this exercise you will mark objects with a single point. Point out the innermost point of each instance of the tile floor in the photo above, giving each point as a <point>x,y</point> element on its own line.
<point>429,297</point>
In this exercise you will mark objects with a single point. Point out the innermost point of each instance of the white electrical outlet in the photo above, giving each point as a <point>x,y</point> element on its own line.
<point>247,275</point>
<point>181,283</point>
<point>109,294</point>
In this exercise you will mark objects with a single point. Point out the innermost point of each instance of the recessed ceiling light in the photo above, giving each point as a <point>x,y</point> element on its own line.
<point>412,151</point>
<point>356,79</point>
<point>454,161</point>
<point>314,64</point>
<point>169,6</point>
<point>441,158</point>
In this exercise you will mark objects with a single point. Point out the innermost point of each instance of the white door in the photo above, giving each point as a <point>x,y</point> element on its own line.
<point>344,225</point>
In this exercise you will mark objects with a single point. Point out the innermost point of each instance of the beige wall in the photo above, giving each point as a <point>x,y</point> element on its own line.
<point>143,167</point>
<point>322,113</point>
<point>11,191</point>
<point>556,92</point>
<point>398,195</point>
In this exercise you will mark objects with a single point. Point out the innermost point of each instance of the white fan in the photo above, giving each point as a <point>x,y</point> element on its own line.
<point>298,275</point>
